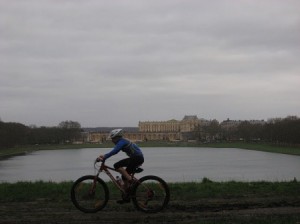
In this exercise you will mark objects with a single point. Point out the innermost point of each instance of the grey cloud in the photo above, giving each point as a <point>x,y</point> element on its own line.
<point>131,60</point>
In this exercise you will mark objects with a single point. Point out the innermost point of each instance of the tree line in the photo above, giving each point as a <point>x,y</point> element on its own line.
<point>13,134</point>
<point>285,131</point>
<point>278,130</point>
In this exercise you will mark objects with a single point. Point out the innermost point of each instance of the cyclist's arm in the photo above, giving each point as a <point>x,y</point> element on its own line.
<point>115,150</point>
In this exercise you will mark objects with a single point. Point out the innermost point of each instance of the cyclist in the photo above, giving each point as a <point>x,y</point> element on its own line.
<point>134,153</point>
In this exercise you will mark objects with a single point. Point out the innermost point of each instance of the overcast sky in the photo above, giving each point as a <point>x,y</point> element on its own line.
<point>115,63</point>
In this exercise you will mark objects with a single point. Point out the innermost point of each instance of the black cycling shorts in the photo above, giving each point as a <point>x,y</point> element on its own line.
<point>130,163</point>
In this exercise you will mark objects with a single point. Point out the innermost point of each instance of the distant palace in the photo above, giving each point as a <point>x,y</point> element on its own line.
<point>172,130</point>
<point>187,129</point>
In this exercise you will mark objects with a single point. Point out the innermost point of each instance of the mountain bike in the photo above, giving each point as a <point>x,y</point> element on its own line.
<point>90,193</point>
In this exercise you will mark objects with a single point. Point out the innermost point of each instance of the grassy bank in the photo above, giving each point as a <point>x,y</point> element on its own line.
<point>206,202</point>
<point>265,147</point>
<point>31,191</point>
<point>19,150</point>
<point>241,145</point>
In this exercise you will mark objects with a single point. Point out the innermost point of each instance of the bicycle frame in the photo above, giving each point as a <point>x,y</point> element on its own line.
<point>106,169</point>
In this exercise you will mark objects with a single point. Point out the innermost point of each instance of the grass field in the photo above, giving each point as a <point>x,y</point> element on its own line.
<point>206,202</point>
<point>28,191</point>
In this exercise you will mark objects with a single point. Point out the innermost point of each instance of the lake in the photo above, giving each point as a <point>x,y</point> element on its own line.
<point>174,164</point>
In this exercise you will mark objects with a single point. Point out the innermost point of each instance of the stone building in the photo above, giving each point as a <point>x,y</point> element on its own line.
<point>190,128</point>
<point>233,124</point>
<point>171,130</point>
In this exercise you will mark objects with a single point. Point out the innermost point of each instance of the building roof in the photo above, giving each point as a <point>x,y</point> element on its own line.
<point>190,117</point>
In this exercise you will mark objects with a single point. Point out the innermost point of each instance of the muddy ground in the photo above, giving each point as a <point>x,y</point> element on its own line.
<point>254,210</point>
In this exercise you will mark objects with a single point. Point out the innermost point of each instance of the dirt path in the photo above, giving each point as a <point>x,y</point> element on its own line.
<point>206,211</point>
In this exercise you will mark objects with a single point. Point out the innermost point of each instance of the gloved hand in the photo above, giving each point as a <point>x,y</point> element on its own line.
<point>100,158</point>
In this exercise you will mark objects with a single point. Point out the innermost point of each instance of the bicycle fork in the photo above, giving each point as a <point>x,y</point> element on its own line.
<point>92,190</point>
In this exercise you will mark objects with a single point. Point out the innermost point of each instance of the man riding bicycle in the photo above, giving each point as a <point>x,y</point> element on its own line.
<point>134,153</point>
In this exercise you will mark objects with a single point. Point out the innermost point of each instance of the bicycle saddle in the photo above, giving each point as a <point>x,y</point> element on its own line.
<point>138,170</point>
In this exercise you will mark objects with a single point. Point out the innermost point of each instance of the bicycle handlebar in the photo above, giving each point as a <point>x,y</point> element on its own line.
<point>99,160</point>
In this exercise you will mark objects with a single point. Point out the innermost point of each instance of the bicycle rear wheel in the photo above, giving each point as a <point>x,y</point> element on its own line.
<point>150,194</point>
<point>87,196</point>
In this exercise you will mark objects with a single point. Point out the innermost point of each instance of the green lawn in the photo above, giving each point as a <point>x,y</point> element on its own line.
<point>30,191</point>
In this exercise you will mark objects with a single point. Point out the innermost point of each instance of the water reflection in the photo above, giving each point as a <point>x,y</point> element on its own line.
<point>172,164</point>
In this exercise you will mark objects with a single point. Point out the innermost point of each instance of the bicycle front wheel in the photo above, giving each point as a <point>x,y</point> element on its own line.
<point>88,195</point>
<point>150,194</point>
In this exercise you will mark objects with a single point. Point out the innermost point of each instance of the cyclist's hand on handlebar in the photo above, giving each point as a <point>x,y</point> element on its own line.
<point>100,158</point>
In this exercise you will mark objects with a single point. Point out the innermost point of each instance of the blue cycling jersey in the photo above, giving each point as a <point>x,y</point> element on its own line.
<point>126,146</point>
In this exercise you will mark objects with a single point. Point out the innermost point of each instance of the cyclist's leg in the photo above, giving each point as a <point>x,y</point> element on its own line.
<point>131,164</point>
<point>119,166</point>
<point>134,163</point>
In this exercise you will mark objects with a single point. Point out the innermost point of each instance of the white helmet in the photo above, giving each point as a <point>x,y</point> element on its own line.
<point>116,133</point>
